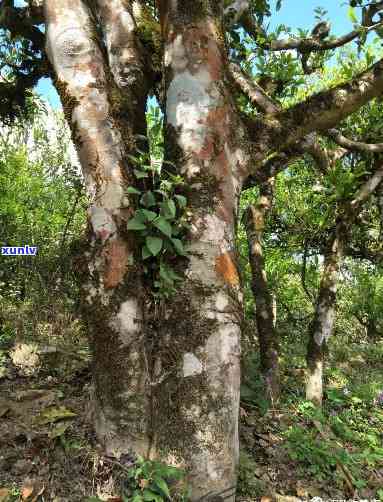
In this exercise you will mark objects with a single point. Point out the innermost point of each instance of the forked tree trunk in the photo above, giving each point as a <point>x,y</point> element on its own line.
<point>324,317</point>
<point>265,302</point>
<point>168,389</point>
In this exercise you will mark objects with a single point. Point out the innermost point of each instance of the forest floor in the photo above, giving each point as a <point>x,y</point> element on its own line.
<point>48,451</point>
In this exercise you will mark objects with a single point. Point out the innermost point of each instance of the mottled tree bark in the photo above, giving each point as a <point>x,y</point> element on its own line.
<point>171,393</point>
<point>197,406</point>
<point>104,121</point>
<point>167,382</point>
<point>265,316</point>
<point>379,196</point>
<point>323,324</point>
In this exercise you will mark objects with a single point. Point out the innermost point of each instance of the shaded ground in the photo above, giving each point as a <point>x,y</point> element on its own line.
<point>48,451</point>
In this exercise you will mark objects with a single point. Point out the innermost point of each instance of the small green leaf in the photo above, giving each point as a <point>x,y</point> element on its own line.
<point>163,226</point>
<point>352,16</point>
<point>154,244</point>
<point>149,496</point>
<point>148,199</point>
<point>146,253</point>
<point>162,485</point>
<point>165,275</point>
<point>168,209</point>
<point>133,191</point>
<point>135,223</point>
<point>146,215</point>
<point>140,174</point>
<point>133,159</point>
<point>179,247</point>
<point>182,201</point>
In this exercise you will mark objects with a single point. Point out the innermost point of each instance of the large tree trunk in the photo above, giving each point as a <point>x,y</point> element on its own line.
<point>166,384</point>
<point>104,117</point>
<point>197,404</point>
<point>324,317</point>
<point>265,305</point>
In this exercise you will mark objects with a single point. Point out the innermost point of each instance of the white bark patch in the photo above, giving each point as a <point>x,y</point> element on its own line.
<point>221,301</point>
<point>175,54</point>
<point>192,365</point>
<point>314,385</point>
<point>222,347</point>
<point>127,321</point>
<point>188,106</point>
<point>102,222</point>
<point>121,51</point>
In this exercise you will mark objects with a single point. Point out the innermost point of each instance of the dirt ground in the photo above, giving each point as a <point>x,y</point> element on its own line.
<point>48,451</point>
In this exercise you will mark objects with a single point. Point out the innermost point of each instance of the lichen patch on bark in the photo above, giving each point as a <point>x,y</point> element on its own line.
<point>191,365</point>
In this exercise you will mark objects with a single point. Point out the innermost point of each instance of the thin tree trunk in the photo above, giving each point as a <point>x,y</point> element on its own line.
<point>379,196</point>
<point>324,317</point>
<point>265,302</point>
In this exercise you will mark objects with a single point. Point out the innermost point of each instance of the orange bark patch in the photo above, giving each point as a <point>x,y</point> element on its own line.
<point>226,269</point>
<point>214,60</point>
<point>116,263</point>
<point>218,121</point>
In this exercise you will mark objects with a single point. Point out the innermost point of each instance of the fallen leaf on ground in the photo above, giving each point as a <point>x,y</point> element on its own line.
<point>32,490</point>
<point>4,410</point>
<point>26,491</point>
<point>302,491</point>
<point>52,414</point>
<point>4,493</point>
<point>59,430</point>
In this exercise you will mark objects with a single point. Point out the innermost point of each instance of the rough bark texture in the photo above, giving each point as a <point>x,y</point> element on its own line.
<point>379,196</point>
<point>265,305</point>
<point>103,129</point>
<point>324,317</point>
<point>197,406</point>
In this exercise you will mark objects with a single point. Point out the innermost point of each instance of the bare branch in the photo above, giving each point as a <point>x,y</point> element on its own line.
<point>367,189</point>
<point>314,43</point>
<point>356,146</point>
<point>255,93</point>
<point>303,273</point>
<point>311,145</point>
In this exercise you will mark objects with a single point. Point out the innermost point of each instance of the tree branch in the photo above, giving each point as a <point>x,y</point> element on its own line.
<point>367,189</point>
<point>326,109</point>
<point>308,44</point>
<point>352,145</point>
<point>253,91</point>
<point>235,10</point>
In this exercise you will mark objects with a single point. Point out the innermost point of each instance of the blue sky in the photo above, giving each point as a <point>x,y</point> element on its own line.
<point>294,13</point>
